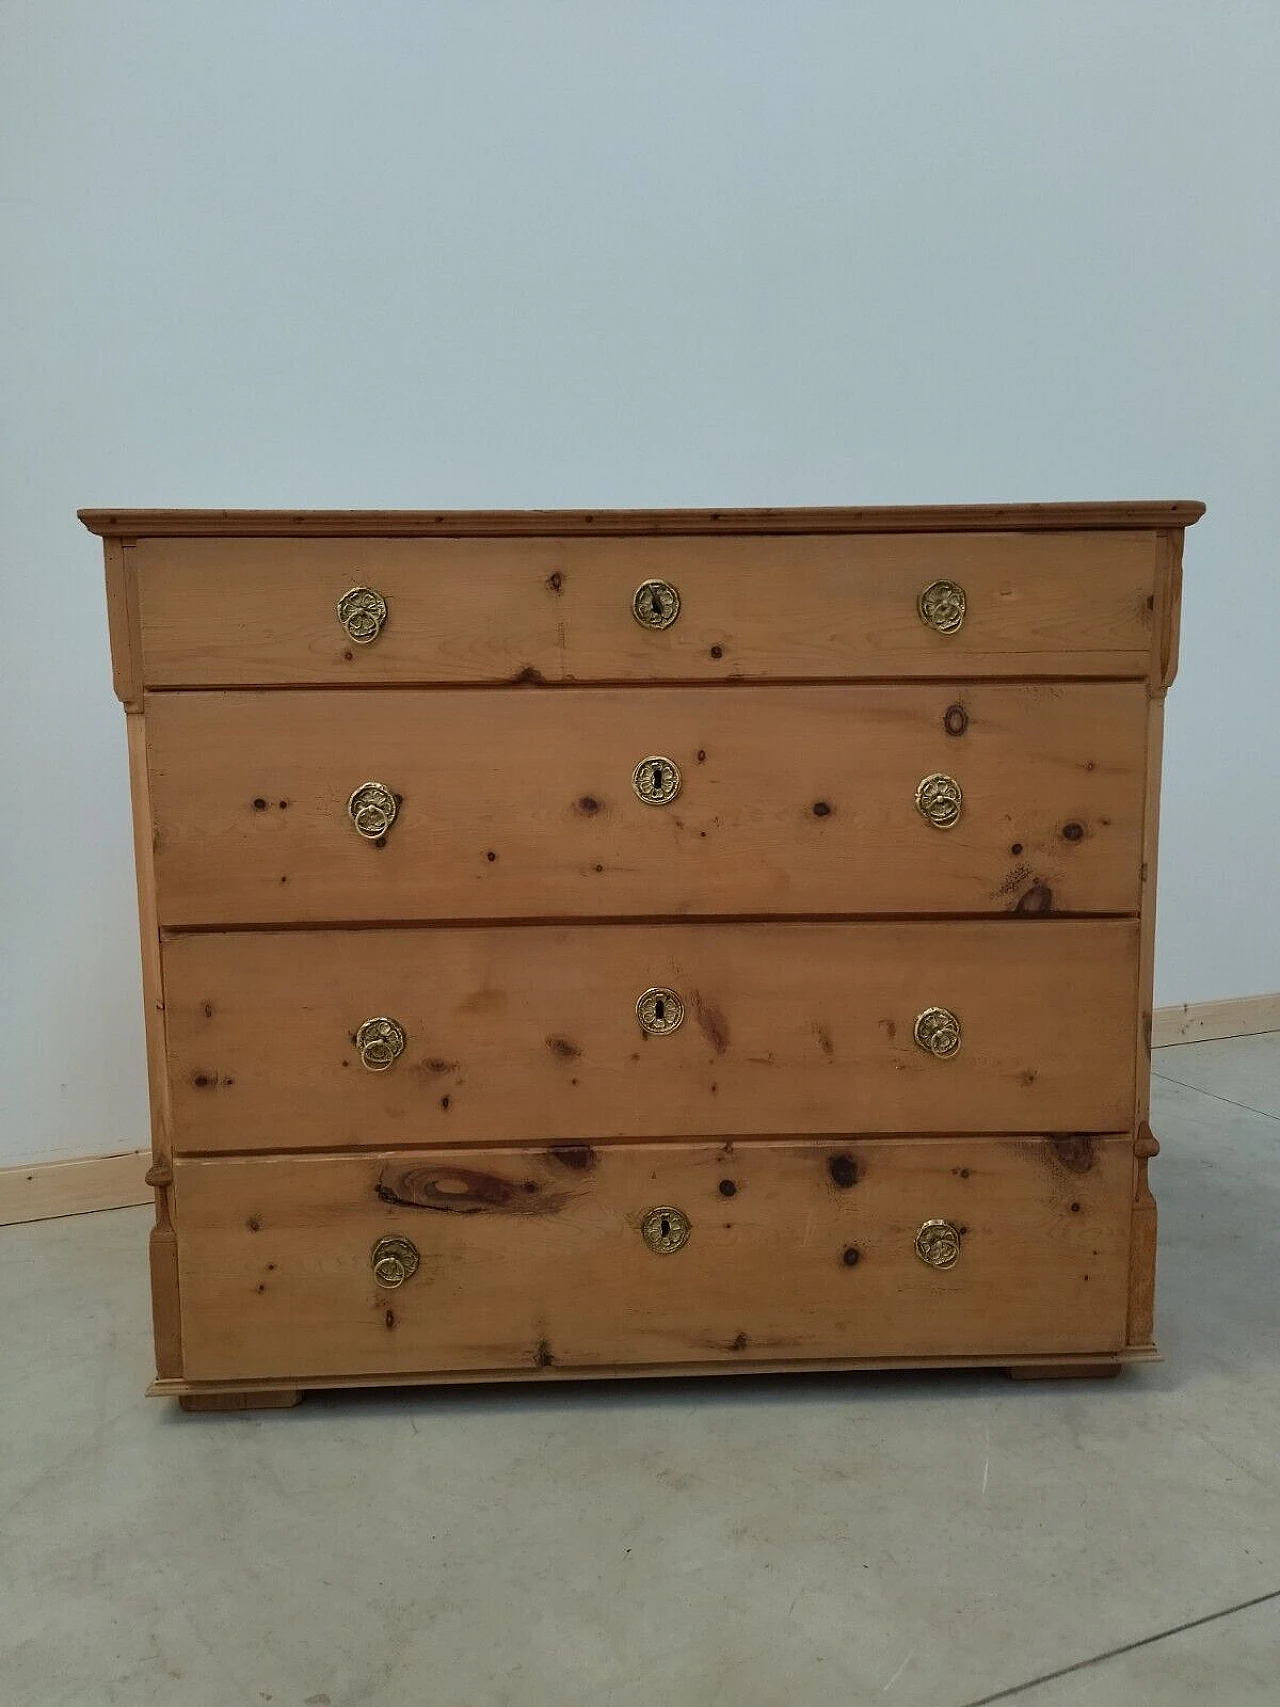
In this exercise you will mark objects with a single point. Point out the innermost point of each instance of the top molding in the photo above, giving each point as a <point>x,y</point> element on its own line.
<point>939,518</point>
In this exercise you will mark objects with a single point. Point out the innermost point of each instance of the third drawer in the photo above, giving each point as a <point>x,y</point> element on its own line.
<point>308,1039</point>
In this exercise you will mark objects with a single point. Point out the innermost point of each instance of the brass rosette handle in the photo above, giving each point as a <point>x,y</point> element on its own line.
<point>942,606</point>
<point>372,809</point>
<point>362,612</point>
<point>655,604</point>
<point>937,1031</point>
<point>381,1043</point>
<point>937,1244</point>
<point>938,800</point>
<point>394,1260</point>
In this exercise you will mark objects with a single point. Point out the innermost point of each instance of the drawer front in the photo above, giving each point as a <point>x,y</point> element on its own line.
<point>541,1258</point>
<point>509,1033</point>
<point>517,804</point>
<point>249,612</point>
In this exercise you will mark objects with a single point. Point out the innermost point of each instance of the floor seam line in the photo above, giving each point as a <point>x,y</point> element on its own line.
<point>1124,1648</point>
<point>1230,1101</point>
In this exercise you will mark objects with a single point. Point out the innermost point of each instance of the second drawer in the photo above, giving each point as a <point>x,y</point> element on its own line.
<point>304,1039</point>
<point>932,798</point>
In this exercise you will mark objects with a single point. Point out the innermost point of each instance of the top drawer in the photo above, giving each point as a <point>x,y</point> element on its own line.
<point>245,612</point>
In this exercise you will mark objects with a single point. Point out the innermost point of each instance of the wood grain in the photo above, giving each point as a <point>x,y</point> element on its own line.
<point>793,800</point>
<point>163,1250</point>
<point>547,1268</point>
<point>910,518</point>
<point>558,609</point>
<point>42,1190</point>
<point>530,1032</point>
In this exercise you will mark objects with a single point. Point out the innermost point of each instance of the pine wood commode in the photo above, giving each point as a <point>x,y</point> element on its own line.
<point>645,942</point>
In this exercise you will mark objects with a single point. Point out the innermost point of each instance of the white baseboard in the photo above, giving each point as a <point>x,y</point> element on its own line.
<point>45,1189</point>
<point>1197,1022</point>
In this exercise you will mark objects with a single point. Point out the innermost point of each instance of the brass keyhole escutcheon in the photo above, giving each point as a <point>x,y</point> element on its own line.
<point>937,1030</point>
<point>655,604</point>
<point>942,606</point>
<point>937,1243</point>
<point>380,1042</point>
<point>656,780</point>
<point>665,1229</point>
<point>659,1011</point>
<point>394,1260</point>
<point>372,809</point>
<point>938,800</point>
<point>362,612</point>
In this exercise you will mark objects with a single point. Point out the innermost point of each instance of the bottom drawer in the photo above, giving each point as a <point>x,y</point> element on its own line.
<point>659,1253</point>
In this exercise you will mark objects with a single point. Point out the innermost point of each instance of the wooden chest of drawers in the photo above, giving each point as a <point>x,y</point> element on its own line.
<point>645,942</point>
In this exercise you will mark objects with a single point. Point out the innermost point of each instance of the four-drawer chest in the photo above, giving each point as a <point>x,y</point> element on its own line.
<point>649,942</point>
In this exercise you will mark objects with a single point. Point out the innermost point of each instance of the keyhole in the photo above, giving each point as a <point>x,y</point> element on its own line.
<point>666,1227</point>
<point>655,602</point>
<point>660,1009</point>
<point>657,779</point>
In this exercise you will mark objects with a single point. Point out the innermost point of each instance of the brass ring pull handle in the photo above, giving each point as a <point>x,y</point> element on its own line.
<point>942,606</point>
<point>381,1043</point>
<point>655,604</point>
<point>372,809</point>
<point>362,612</point>
<point>937,1031</point>
<point>937,1243</point>
<point>665,1230</point>
<point>656,780</point>
<point>659,1011</point>
<point>938,800</point>
<point>394,1260</point>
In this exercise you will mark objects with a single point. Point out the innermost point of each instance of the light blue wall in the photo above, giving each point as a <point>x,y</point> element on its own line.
<point>592,253</point>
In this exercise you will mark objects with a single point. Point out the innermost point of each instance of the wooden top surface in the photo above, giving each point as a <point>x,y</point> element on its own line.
<point>939,518</point>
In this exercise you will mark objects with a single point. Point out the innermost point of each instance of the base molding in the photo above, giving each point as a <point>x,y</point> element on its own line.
<point>1199,1022</point>
<point>283,1390</point>
<point>46,1189</point>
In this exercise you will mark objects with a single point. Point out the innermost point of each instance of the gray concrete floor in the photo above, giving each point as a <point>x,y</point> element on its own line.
<point>900,1539</point>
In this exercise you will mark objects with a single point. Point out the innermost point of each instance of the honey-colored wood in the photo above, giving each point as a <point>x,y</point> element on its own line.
<point>123,622</point>
<point>523,900</point>
<point>527,1374</point>
<point>1144,1219</point>
<point>163,1249</point>
<point>558,610</point>
<point>530,1032</point>
<point>536,1257</point>
<point>263,1399</point>
<point>793,800</point>
<point>910,518</point>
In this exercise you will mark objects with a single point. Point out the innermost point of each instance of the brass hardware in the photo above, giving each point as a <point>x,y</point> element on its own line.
<point>380,1042</point>
<point>942,606</point>
<point>362,612</point>
<point>665,1230</point>
<point>938,800</point>
<point>659,1011</point>
<point>938,1244</point>
<point>655,604</point>
<point>372,809</point>
<point>656,780</point>
<point>394,1261</point>
<point>938,1031</point>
